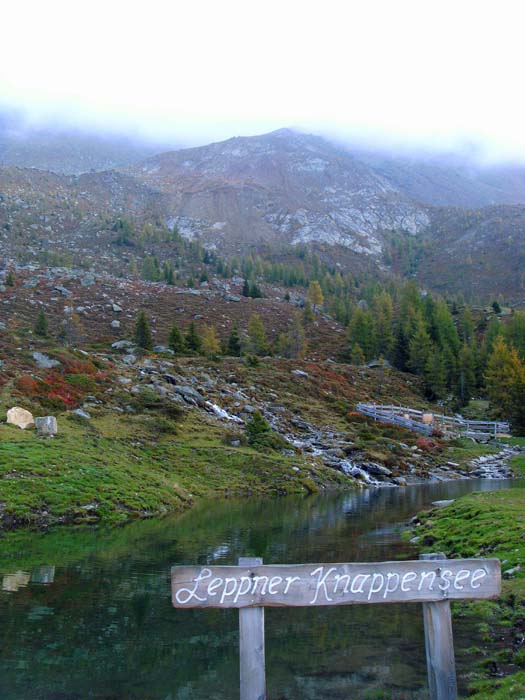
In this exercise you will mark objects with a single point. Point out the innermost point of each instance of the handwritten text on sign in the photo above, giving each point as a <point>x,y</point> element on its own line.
<point>334,584</point>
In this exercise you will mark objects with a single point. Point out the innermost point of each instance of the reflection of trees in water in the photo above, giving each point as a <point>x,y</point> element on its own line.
<point>105,627</point>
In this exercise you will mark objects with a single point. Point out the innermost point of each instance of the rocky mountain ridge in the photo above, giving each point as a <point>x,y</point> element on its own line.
<point>248,194</point>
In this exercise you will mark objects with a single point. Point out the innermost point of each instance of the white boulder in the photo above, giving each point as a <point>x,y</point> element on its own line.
<point>20,417</point>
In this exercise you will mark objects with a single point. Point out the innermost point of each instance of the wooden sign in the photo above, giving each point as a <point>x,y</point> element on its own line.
<point>432,580</point>
<point>334,584</point>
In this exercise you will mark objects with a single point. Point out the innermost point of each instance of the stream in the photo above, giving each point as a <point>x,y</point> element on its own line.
<point>86,613</point>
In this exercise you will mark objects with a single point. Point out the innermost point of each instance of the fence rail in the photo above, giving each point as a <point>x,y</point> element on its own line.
<point>427,423</point>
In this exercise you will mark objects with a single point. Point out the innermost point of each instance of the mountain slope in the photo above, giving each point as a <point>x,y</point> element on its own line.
<point>65,151</point>
<point>279,187</point>
<point>440,180</point>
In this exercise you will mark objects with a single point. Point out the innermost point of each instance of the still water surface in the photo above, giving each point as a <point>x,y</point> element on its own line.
<point>86,614</point>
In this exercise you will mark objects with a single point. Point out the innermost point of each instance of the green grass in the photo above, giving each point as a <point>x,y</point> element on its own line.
<point>488,525</point>
<point>463,451</point>
<point>518,465</point>
<point>118,467</point>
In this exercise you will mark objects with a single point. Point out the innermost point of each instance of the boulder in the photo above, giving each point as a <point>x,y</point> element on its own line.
<point>20,417</point>
<point>82,414</point>
<point>47,425</point>
<point>300,373</point>
<point>62,290</point>
<point>123,345</point>
<point>189,394</point>
<point>377,469</point>
<point>43,361</point>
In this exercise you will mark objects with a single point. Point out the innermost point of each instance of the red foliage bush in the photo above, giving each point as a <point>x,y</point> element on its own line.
<point>428,444</point>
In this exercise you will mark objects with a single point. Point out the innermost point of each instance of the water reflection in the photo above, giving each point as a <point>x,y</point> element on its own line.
<point>86,613</point>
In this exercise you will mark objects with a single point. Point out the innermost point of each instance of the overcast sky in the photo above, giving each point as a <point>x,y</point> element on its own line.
<point>416,72</point>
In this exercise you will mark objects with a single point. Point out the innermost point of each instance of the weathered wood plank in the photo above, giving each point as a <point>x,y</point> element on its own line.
<point>439,645</point>
<point>251,646</point>
<point>335,584</point>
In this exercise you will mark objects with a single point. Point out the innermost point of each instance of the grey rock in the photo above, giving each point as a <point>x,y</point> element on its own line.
<point>443,504</point>
<point>62,290</point>
<point>300,373</point>
<point>189,394</point>
<point>231,297</point>
<point>122,345</point>
<point>129,359</point>
<point>376,469</point>
<point>115,324</point>
<point>44,362</point>
<point>46,425</point>
<point>82,414</point>
<point>116,308</point>
<point>163,348</point>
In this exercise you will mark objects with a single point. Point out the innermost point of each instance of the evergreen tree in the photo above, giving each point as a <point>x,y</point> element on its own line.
<point>255,291</point>
<point>211,345</point>
<point>142,335</point>
<point>233,347</point>
<point>10,279</point>
<point>308,314</point>
<point>293,343</point>
<point>193,339</point>
<point>257,335</point>
<point>357,356</point>
<point>361,332</point>
<point>435,374</point>
<point>466,383</point>
<point>41,325</point>
<point>315,295</point>
<point>503,377</point>
<point>383,311</point>
<point>176,340</point>
<point>419,348</point>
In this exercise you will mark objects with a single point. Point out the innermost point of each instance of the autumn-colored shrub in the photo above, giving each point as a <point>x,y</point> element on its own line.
<point>355,417</point>
<point>428,444</point>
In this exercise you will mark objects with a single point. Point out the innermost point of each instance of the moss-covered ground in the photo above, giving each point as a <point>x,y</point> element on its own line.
<point>488,525</point>
<point>117,467</point>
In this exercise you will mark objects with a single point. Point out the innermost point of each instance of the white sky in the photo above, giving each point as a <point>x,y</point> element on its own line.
<point>439,73</point>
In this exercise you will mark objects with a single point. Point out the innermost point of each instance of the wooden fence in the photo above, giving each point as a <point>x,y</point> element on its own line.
<point>428,423</point>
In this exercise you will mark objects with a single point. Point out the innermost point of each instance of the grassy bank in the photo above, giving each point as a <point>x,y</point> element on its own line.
<point>117,467</point>
<point>488,525</point>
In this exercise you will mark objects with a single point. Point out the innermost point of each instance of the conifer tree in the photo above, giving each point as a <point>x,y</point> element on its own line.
<point>211,345</point>
<point>419,348</point>
<point>176,340</point>
<point>435,374</point>
<point>41,325</point>
<point>233,347</point>
<point>466,383</point>
<point>193,339</point>
<point>10,279</point>
<point>503,377</point>
<point>308,314</point>
<point>142,335</point>
<point>315,295</point>
<point>257,335</point>
<point>357,356</point>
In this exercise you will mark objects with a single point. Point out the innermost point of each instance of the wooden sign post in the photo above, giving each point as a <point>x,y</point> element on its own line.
<point>433,581</point>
